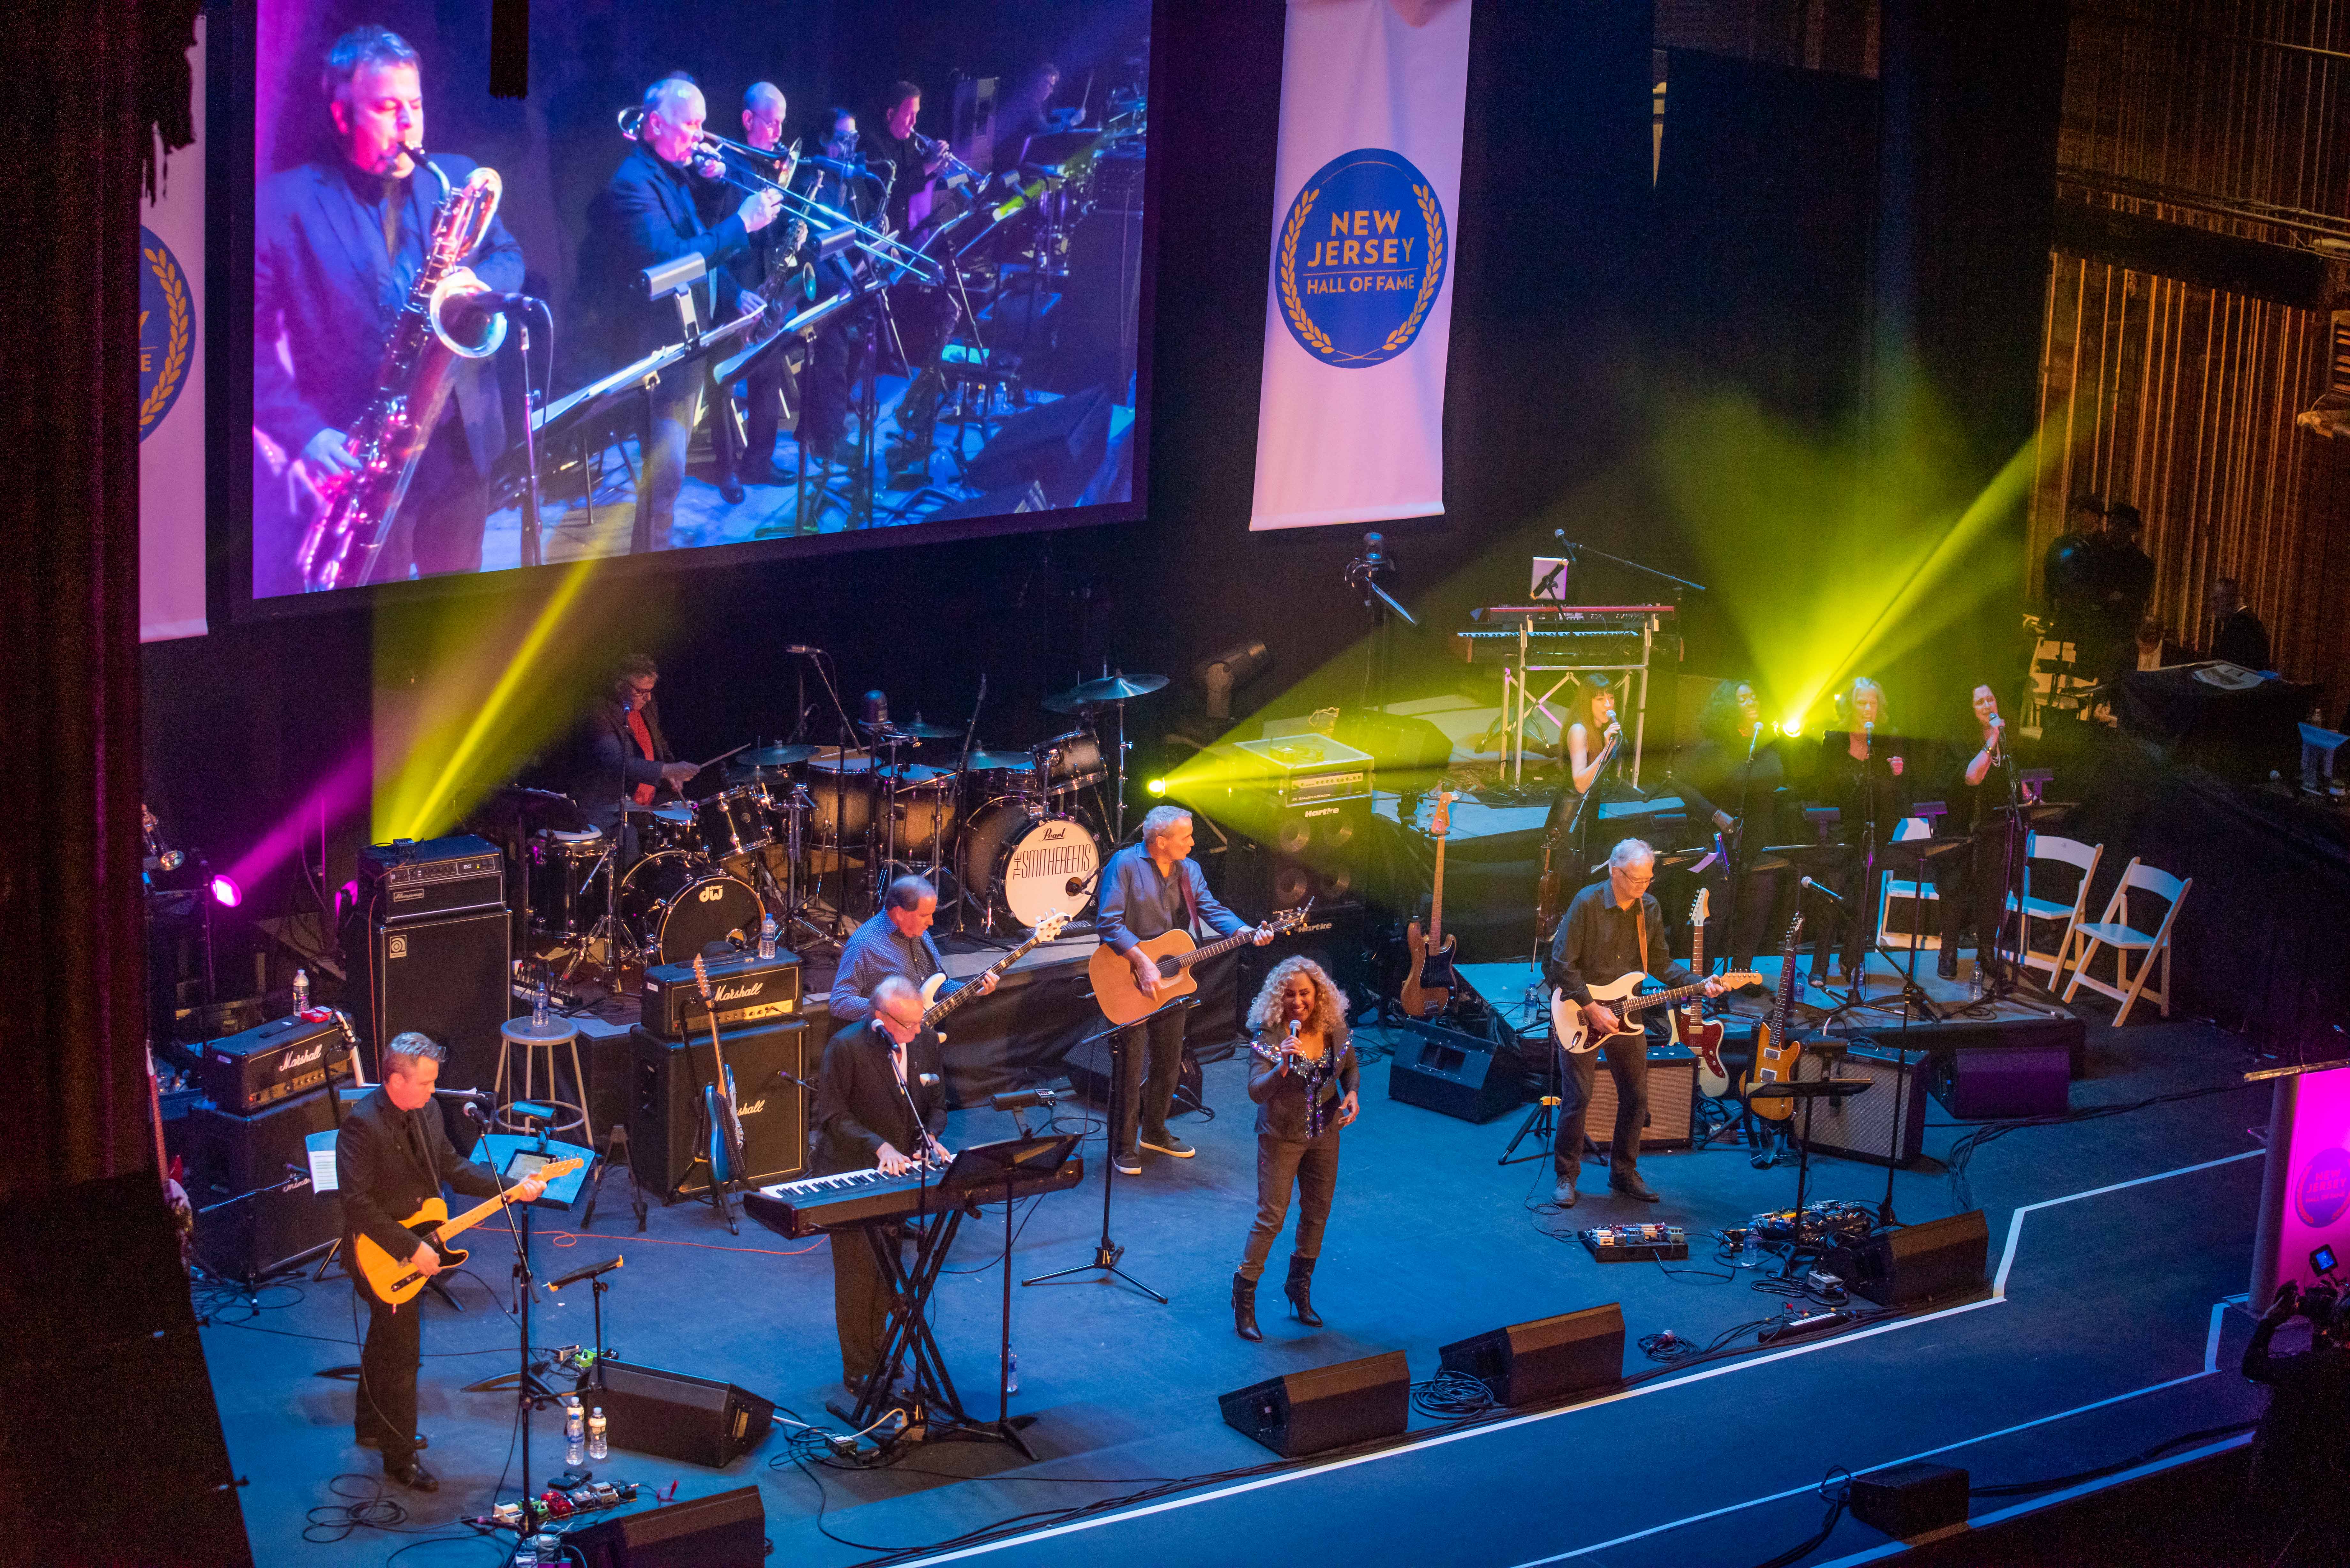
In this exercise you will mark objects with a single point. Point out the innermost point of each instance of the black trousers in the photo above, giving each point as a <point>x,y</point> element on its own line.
<point>386,1410</point>
<point>1627,1061</point>
<point>1971,883</point>
<point>1152,1053</point>
<point>1313,1169</point>
<point>860,1298</point>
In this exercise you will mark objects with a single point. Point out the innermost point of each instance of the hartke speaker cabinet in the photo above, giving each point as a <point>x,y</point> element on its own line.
<point>233,1154</point>
<point>1917,1262</point>
<point>665,1082</point>
<point>673,1415</point>
<point>725,1530</point>
<point>1328,1407</point>
<point>1458,1075</point>
<point>1550,1358</point>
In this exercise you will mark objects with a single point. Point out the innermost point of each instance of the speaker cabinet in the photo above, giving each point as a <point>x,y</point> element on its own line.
<point>1328,1407</point>
<point>1910,1499</point>
<point>1989,1082</point>
<point>1550,1358</point>
<point>725,1530</point>
<point>449,977</point>
<point>696,1420</point>
<point>1862,1126</point>
<point>665,1083</point>
<point>1917,1262</point>
<point>1672,1100</point>
<point>233,1154</point>
<point>1457,1075</point>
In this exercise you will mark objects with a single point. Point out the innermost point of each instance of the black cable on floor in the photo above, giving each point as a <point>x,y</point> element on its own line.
<point>1452,1394</point>
<point>1836,1495</point>
<point>2053,1483</point>
<point>1962,1150</point>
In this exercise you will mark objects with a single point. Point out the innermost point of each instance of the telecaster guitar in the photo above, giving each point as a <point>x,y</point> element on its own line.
<point>1122,997</point>
<point>396,1281</point>
<point>1776,1047</point>
<point>1699,1035</point>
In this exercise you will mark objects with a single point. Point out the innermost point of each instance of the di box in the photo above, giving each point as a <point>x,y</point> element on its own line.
<point>1440,1069</point>
<point>1916,1263</point>
<point>1549,1359</point>
<point>676,1415</point>
<point>1328,1407</point>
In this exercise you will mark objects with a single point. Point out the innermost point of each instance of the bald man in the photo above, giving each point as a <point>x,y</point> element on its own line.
<point>644,216</point>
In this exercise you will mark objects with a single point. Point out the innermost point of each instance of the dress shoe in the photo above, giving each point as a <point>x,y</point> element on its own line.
<point>414,1475</point>
<point>369,1441</point>
<point>1564,1195</point>
<point>732,491</point>
<point>1630,1184</point>
<point>1946,962</point>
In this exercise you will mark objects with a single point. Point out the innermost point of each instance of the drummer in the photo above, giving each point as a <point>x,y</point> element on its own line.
<point>895,942</point>
<point>627,748</point>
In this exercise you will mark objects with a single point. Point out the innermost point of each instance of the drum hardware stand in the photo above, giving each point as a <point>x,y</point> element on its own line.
<point>1108,1252</point>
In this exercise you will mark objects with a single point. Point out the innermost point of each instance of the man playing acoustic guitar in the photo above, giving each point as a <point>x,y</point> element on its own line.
<point>390,1158</point>
<point>1613,928</point>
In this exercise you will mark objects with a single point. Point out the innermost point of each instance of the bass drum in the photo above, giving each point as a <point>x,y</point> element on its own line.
<point>674,905</point>
<point>1022,867</point>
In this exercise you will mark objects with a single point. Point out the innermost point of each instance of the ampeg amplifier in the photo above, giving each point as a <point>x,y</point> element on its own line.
<point>409,878</point>
<point>746,989</point>
<point>243,1073</point>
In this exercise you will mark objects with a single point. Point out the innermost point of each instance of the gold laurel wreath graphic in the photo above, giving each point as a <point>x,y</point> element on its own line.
<point>1292,306</point>
<point>175,349</point>
<point>1432,220</point>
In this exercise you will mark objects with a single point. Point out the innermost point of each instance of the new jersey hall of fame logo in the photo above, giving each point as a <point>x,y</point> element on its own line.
<point>1362,255</point>
<point>166,330</point>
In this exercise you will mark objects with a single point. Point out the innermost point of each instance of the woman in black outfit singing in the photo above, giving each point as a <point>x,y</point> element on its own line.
<point>1973,882</point>
<point>1862,778</point>
<point>1736,769</point>
<point>1592,739</point>
<point>1303,1076</point>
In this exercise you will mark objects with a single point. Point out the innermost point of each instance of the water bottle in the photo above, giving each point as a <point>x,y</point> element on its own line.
<point>766,938</point>
<point>539,1004</point>
<point>574,1431</point>
<point>597,1447</point>
<point>548,1548</point>
<point>525,1553</point>
<point>1012,1374</point>
<point>301,990</point>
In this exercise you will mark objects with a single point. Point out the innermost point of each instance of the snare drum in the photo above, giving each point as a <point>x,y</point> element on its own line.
<point>559,865</point>
<point>842,786</point>
<point>673,907</point>
<point>1070,762</point>
<point>734,822</point>
<point>1018,865</point>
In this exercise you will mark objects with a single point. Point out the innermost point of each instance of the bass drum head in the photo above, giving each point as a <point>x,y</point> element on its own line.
<point>674,907</point>
<point>1022,867</point>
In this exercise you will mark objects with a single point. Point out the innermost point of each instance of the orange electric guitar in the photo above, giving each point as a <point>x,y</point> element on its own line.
<point>1428,988</point>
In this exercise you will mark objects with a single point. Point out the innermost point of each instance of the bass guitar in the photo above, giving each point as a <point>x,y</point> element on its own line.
<point>935,1010</point>
<point>1428,988</point>
<point>397,1280</point>
<point>1623,998</point>
<point>1122,997</point>
<point>723,1120</point>
<point>1691,1028</point>
<point>1776,1046</point>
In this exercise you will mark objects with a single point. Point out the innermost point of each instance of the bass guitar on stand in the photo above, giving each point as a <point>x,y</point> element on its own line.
<point>1428,988</point>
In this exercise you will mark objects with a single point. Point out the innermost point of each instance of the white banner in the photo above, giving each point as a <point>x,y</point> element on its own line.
<point>172,389</point>
<point>1359,305</point>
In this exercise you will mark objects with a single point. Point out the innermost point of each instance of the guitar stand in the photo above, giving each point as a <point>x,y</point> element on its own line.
<point>1108,1252</point>
<point>616,1147</point>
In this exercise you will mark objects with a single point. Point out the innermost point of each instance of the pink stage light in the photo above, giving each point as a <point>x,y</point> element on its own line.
<point>332,798</point>
<point>227,893</point>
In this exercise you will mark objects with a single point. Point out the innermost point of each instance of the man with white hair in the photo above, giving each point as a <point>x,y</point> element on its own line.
<point>1611,929</point>
<point>1149,889</point>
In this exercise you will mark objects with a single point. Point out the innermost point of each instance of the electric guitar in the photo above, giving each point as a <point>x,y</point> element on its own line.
<point>1775,1048</point>
<point>1122,999</point>
<point>935,1011</point>
<point>397,1280</point>
<point>1691,1028</point>
<point>1623,999</point>
<point>718,1102</point>
<point>1428,988</point>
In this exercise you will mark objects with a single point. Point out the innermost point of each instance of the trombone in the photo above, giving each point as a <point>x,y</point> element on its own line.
<point>884,249</point>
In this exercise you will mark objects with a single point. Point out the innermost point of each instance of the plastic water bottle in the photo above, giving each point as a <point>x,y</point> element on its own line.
<point>597,1447</point>
<point>539,1004</point>
<point>766,938</point>
<point>525,1553</point>
<point>574,1431</point>
<point>549,1547</point>
<point>301,990</point>
<point>1012,1374</point>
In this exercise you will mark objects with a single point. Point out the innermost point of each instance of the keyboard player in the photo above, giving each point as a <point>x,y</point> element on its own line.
<point>880,1104</point>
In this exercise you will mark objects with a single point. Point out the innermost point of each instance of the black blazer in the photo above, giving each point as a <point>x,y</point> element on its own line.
<point>858,1105</point>
<point>383,1177</point>
<point>322,278</point>
<point>608,751</point>
<point>647,215</point>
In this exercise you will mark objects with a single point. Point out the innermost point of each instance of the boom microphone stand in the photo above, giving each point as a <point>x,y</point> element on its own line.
<point>1108,1252</point>
<point>1363,573</point>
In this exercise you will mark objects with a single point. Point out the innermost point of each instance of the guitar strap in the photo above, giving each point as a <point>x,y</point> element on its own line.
<point>1640,922</point>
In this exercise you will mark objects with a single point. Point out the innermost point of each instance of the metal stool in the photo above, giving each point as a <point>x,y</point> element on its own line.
<point>534,1038</point>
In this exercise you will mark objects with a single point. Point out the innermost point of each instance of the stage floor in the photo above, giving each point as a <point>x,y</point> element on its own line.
<point>2117,1243</point>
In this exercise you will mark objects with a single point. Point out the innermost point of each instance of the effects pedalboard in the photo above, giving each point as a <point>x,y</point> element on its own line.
<point>558,1502</point>
<point>1634,1243</point>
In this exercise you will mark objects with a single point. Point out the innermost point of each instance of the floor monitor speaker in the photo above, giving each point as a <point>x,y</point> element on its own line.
<point>1444,1070</point>
<point>1917,1262</point>
<point>1328,1407</point>
<point>725,1530</point>
<point>697,1420</point>
<point>1550,1358</point>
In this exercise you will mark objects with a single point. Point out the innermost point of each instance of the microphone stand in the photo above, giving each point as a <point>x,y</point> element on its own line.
<point>1362,575</point>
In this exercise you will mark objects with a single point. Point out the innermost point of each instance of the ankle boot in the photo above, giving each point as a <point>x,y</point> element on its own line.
<point>1946,962</point>
<point>1244,1308</point>
<point>1300,1291</point>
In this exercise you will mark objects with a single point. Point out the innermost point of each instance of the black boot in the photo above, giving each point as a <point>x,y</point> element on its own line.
<point>1244,1308</point>
<point>1300,1291</point>
<point>1946,962</point>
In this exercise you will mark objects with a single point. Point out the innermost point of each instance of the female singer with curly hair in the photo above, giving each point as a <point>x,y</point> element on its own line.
<point>1303,1076</point>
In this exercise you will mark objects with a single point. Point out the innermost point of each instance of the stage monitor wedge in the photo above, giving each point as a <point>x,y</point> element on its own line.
<point>1917,1263</point>
<point>1557,1358</point>
<point>1331,1407</point>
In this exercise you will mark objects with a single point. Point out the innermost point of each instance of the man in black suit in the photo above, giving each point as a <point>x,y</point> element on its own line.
<point>391,1156</point>
<point>337,247</point>
<point>880,1104</point>
<point>2237,636</point>
<point>647,215</point>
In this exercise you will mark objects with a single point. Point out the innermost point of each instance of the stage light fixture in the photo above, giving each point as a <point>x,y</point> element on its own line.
<point>225,892</point>
<point>1157,786</point>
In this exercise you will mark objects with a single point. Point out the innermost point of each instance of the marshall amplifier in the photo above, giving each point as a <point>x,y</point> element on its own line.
<point>407,877</point>
<point>243,1073</point>
<point>747,990</point>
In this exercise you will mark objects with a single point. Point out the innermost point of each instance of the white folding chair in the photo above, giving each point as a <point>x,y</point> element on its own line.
<point>1929,922</point>
<point>2083,858</point>
<point>2115,931</point>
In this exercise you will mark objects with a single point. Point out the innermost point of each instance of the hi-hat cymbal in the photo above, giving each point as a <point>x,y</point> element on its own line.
<point>917,727</point>
<point>775,756</point>
<point>1108,688</point>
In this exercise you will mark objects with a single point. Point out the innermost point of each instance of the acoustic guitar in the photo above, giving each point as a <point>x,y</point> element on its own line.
<point>397,1280</point>
<point>1776,1046</point>
<point>1122,999</point>
<point>1428,988</point>
<point>1691,1028</point>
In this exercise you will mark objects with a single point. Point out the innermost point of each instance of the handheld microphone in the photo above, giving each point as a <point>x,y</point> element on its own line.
<point>1828,893</point>
<point>1294,1025</point>
<point>1868,730</point>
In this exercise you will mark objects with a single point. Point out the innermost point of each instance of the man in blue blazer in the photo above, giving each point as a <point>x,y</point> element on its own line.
<point>337,247</point>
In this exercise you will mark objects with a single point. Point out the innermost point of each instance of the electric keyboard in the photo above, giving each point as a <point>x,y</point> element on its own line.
<point>1583,644</point>
<point>815,1204</point>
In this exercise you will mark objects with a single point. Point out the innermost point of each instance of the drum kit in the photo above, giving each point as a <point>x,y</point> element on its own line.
<point>812,834</point>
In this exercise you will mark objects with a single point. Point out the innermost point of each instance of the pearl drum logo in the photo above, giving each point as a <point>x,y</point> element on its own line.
<point>2323,1190</point>
<point>166,331</point>
<point>1363,252</point>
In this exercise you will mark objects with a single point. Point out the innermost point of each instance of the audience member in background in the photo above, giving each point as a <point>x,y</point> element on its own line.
<point>1736,768</point>
<point>1862,777</point>
<point>2238,635</point>
<point>1305,1088</point>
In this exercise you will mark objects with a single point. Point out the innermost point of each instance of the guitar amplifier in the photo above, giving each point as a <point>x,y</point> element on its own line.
<point>1862,1126</point>
<point>280,1059</point>
<point>407,877</point>
<point>747,989</point>
<point>1672,1099</point>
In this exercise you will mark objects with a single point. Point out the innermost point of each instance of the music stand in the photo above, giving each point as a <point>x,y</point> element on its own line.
<point>1809,1092</point>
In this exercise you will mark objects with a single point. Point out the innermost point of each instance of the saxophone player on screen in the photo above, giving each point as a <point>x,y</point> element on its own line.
<point>368,376</point>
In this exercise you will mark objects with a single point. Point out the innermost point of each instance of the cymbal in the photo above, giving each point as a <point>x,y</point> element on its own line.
<point>775,756</point>
<point>983,761</point>
<point>919,730</point>
<point>1108,688</point>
